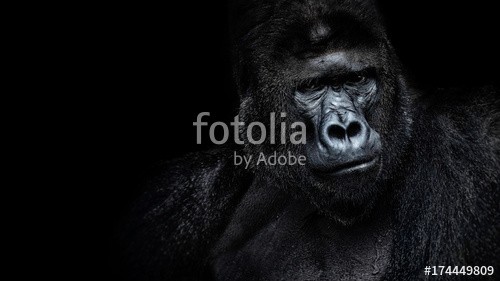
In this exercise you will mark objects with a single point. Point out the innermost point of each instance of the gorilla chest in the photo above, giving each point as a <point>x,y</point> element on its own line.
<point>305,248</point>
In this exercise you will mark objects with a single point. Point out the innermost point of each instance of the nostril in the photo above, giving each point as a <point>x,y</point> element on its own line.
<point>336,132</point>
<point>353,129</point>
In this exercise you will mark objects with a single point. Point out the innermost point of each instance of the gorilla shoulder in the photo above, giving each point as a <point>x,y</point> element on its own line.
<point>191,184</point>
<point>468,115</point>
<point>197,170</point>
<point>180,215</point>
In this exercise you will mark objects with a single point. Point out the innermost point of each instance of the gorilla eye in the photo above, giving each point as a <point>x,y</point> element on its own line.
<point>356,78</point>
<point>359,83</point>
<point>311,87</point>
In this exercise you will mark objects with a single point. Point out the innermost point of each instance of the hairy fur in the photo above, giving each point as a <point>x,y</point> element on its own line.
<point>437,193</point>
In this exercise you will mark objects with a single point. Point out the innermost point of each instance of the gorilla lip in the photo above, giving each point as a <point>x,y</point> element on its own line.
<point>349,167</point>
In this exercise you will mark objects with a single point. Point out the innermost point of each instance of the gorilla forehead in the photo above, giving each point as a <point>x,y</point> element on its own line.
<point>331,63</point>
<point>314,19</point>
<point>304,29</point>
<point>272,38</point>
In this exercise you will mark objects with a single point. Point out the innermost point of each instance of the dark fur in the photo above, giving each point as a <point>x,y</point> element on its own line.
<point>436,201</point>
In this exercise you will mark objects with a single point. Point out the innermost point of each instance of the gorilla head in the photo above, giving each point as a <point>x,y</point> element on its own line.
<point>328,64</point>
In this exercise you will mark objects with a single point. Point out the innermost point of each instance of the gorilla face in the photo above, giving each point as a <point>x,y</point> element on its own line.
<point>338,97</point>
<point>338,92</point>
<point>333,69</point>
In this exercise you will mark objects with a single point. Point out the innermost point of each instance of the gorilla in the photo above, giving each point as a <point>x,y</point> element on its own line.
<point>394,180</point>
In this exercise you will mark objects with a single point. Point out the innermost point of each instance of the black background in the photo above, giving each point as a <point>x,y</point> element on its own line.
<point>159,66</point>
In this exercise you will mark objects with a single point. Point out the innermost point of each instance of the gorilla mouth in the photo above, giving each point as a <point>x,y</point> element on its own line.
<point>359,165</point>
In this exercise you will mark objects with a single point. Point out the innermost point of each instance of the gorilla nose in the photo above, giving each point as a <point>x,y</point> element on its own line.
<point>340,133</point>
<point>349,136</point>
<point>346,144</point>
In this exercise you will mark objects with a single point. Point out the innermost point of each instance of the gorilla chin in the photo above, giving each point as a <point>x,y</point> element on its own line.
<point>346,192</point>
